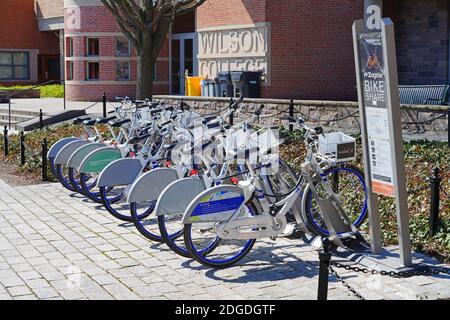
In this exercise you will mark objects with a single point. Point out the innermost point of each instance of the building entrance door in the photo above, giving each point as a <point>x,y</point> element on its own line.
<point>183,56</point>
<point>48,67</point>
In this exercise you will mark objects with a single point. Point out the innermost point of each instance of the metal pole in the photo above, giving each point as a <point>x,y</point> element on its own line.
<point>104,105</point>
<point>22,149</point>
<point>5,141</point>
<point>41,119</point>
<point>435,182</point>
<point>291,114</point>
<point>65,101</point>
<point>44,160</point>
<point>324,264</point>
<point>9,113</point>
<point>396,134</point>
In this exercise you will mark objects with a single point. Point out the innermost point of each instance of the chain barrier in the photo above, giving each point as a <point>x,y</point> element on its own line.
<point>426,271</point>
<point>345,283</point>
<point>310,119</point>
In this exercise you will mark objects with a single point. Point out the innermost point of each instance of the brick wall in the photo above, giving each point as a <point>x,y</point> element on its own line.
<point>97,19</point>
<point>19,28</point>
<point>422,41</point>
<point>311,43</point>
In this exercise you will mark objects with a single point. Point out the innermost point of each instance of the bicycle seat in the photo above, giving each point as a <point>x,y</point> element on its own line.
<point>118,124</point>
<point>105,120</point>
<point>80,120</point>
<point>89,122</point>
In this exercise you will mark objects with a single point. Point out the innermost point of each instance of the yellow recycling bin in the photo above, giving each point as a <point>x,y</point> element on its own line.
<point>193,88</point>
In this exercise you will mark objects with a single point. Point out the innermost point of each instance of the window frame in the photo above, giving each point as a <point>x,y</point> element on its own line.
<point>88,73</point>
<point>13,66</point>
<point>129,47</point>
<point>87,47</point>
<point>69,47</point>
<point>129,70</point>
<point>69,70</point>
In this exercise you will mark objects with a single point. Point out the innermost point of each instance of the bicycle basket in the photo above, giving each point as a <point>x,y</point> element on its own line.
<point>337,146</point>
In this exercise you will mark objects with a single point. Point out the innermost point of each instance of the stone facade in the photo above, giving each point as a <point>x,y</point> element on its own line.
<point>332,115</point>
<point>423,41</point>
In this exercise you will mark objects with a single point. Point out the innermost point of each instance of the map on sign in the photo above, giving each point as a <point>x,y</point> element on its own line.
<point>375,103</point>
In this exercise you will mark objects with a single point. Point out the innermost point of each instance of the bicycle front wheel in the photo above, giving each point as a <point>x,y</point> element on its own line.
<point>208,249</point>
<point>347,181</point>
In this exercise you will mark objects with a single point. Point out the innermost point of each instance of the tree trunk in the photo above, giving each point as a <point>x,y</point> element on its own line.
<point>145,68</point>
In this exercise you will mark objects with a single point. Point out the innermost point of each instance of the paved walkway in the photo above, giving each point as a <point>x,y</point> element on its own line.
<point>54,245</point>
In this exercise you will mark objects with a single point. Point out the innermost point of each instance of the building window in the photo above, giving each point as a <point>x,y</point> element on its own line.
<point>123,71</point>
<point>14,65</point>
<point>93,71</point>
<point>69,47</point>
<point>123,47</point>
<point>69,70</point>
<point>93,47</point>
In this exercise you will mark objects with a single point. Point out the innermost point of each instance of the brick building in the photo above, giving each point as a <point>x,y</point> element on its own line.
<point>304,47</point>
<point>28,53</point>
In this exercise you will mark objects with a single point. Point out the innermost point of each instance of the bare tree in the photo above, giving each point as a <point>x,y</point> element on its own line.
<point>147,23</point>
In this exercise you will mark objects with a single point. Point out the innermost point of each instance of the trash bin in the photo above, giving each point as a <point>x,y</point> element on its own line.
<point>247,84</point>
<point>226,86</point>
<point>208,89</point>
<point>193,88</point>
<point>217,87</point>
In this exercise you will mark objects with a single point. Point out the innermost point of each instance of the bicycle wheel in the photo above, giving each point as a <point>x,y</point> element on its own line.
<point>348,182</point>
<point>74,180</point>
<point>114,201</point>
<point>62,175</point>
<point>171,230</point>
<point>146,222</point>
<point>92,192</point>
<point>209,250</point>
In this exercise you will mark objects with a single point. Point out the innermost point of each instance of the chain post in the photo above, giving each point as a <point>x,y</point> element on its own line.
<point>104,104</point>
<point>291,114</point>
<point>5,142</point>
<point>435,182</point>
<point>41,119</point>
<point>22,149</point>
<point>44,160</point>
<point>324,264</point>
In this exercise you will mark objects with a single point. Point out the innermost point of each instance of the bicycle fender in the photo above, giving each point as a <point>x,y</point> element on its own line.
<point>77,157</point>
<point>121,172</point>
<point>66,152</point>
<point>216,204</point>
<point>59,145</point>
<point>149,186</point>
<point>98,159</point>
<point>176,197</point>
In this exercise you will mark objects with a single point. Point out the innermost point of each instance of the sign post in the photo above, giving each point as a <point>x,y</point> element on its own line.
<point>378,94</point>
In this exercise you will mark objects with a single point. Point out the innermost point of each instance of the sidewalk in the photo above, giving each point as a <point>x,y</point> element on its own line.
<point>51,106</point>
<point>56,245</point>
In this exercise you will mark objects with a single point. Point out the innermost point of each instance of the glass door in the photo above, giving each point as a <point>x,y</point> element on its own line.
<point>183,57</point>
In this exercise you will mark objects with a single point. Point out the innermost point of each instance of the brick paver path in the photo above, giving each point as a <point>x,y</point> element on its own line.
<point>54,245</point>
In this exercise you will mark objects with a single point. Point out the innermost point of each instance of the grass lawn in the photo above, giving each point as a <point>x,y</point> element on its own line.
<point>48,91</point>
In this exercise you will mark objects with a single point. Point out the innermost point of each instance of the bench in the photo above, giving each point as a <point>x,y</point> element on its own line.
<point>424,94</point>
